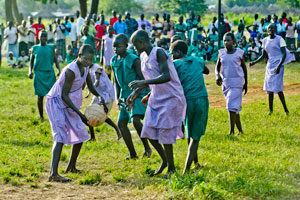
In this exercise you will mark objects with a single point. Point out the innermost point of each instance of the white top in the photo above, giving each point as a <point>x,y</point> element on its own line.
<point>22,38</point>
<point>210,28</point>
<point>50,35</point>
<point>59,34</point>
<point>23,59</point>
<point>80,22</point>
<point>282,42</point>
<point>12,34</point>
<point>256,22</point>
<point>31,34</point>
<point>73,33</point>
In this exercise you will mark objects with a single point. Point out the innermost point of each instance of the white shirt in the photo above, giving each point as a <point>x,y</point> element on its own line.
<point>73,32</point>
<point>31,35</point>
<point>12,34</point>
<point>23,38</point>
<point>59,34</point>
<point>256,22</point>
<point>80,22</point>
<point>210,28</point>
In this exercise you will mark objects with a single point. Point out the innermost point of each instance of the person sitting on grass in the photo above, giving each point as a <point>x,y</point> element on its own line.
<point>190,71</point>
<point>253,51</point>
<point>22,60</point>
<point>41,62</point>
<point>11,60</point>
<point>233,79</point>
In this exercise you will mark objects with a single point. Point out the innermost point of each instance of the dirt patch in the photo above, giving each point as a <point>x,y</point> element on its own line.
<point>68,191</point>
<point>255,92</point>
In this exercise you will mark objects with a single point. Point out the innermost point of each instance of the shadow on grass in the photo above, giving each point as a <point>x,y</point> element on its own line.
<point>27,144</point>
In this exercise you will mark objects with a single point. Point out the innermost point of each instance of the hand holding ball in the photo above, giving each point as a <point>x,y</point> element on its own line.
<point>95,114</point>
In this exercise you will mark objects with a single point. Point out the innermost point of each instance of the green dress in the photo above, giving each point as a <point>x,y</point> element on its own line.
<point>213,37</point>
<point>193,50</point>
<point>190,73</point>
<point>44,75</point>
<point>125,73</point>
<point>181,27</point>
<point>192,29</point>
<point>87,39</point>
<point>214,54</point>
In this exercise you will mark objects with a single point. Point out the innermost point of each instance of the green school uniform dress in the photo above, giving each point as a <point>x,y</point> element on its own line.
<point>193,32</point>
<point>87,39</point>
<point>125,73</point>
<point>44,75</point>
<point>190,73</point>
<point>201,53</point>
<point>193,50</point>
<point>213,37</point>
<point>215,53</point>
<point>181,27</point>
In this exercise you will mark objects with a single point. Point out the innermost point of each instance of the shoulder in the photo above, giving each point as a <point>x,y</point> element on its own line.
<point>222,51</point>
<point>240,53</point>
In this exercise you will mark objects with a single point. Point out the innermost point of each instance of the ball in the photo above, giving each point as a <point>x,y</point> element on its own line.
<point>95,114</point>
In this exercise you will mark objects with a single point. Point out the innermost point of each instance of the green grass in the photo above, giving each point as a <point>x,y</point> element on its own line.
<point>261,164</point>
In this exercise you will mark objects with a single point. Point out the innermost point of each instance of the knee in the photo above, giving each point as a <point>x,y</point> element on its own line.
<point>122,124</point>
<point>137,121</point>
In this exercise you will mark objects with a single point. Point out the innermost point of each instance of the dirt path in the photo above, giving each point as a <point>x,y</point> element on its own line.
<point>255,92</point>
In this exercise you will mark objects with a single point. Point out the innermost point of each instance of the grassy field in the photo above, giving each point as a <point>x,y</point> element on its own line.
<point>261,164</point>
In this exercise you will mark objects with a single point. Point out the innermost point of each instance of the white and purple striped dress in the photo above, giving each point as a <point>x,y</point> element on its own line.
<point>274,82</point>
<point>67,127</point>
<point>233,79</point>
<point>166,106</point>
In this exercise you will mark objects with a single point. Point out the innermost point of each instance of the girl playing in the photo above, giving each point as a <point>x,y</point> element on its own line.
<point>63,103</point>
<point>41,61</point>
<point>127,68</point>
<point>233,79</point>
<point>190,71</point>
<point>166,105</point>
<point>274,47</point>
<point>106,89</point>
<point>107,50</point>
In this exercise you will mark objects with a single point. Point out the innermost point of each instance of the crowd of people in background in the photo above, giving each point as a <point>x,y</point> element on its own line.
<point>68,34</point>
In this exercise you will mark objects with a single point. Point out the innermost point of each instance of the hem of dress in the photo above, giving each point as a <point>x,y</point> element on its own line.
<point>75,142</point>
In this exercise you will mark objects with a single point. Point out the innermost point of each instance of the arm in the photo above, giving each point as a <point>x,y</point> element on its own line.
<point>245,87</point>
<point>97,81</point>
<point>205,70</point>
<point>95,38</point>
<point>30,74</point>
<point>56,62</point>
<point>217,72</point>
<point>102,52</point>
<point>263,55</point>
<point>282,59</point>
<point>70,76</point>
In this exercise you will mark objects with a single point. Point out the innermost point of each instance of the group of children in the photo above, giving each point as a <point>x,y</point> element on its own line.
<point>166,92</point>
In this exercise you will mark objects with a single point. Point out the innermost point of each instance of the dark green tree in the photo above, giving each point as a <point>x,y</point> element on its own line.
<point>121,6</point>
<point>182,7</point>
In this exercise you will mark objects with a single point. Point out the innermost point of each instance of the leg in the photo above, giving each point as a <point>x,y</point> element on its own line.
<point>112,124</point>
<point>92,133</point>
<point>282,99</point>
<point>170,158</point>
<point>238,123</point>
<point>232,118</point>
<point>196,162</point>
<point>74,155</point>
<point>122,124</point>
<point>138,127</point>
<point>271,98</point>
<point>192,153</point>
<point>56,152</point>
<point>158,147</point>
<point>40,106</point>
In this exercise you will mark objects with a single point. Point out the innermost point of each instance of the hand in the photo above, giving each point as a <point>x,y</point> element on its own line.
<point>245,88</point>
<point>84,119</point>
<point>131,98</point>
<point>145,100</point>
<point>277,70</point>
<point>120,102</point>
<point>105,108</point>
<point>30,75</point>
<point>219,80</point>
<point>137,84</point>
<point>251,64</point>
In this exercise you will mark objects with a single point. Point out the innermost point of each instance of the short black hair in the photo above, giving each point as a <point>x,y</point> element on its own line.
<point>231,35</point>
<point>179,45</point>
<point>140,35</point>
<point>174,38</point>
<point>86,49</point>
<point>122,38</point>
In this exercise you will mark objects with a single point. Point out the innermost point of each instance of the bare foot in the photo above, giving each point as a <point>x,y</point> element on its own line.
<point>132,158</point>
<point>58,178</point>
<point>198,166</point>
<point>148,153</point>
<point>169,174</point>
<point>161,169</point>
<point>230,134</point>
<point>73,170</point>
<point>287,112</point>
<point>92,139</point>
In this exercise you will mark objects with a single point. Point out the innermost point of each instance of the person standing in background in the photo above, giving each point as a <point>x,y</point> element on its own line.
<point>73,32</point>
<point>11,34</point>
<point>31,33</point>
<point>38,27</point>
<point>80,22</point>
<point>68,27</point>
<point>22,29</point>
